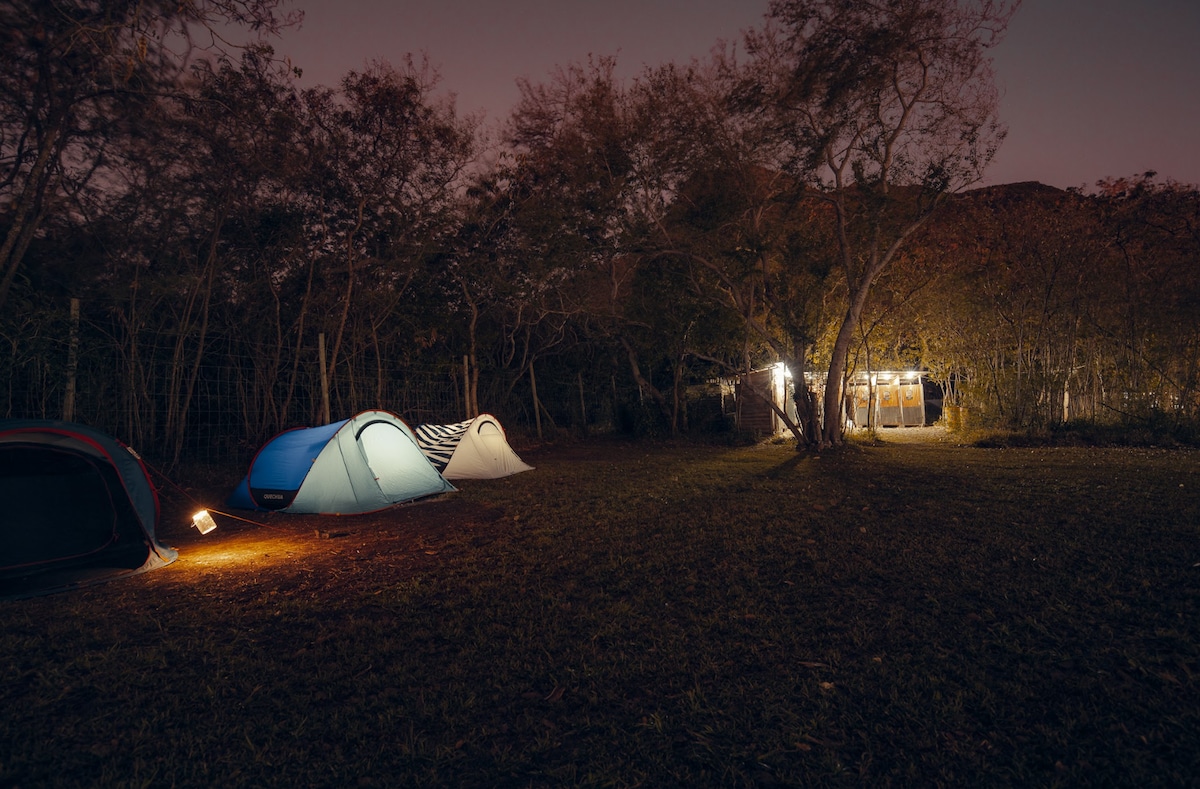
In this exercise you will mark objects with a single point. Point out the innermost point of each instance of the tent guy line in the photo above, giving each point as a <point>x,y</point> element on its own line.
<point>206,508</point>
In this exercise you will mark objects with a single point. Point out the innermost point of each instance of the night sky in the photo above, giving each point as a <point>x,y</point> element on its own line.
<point>1092,88</point>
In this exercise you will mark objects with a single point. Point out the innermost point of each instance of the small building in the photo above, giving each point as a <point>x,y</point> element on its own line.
<point>900,399</point>
<point>758,390</point>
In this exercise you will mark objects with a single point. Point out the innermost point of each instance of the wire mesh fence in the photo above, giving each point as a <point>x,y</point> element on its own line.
<point>175,402</point>
<point>215,397</point>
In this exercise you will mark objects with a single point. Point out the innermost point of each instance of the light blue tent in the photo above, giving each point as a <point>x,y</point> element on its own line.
<point>366,463</point>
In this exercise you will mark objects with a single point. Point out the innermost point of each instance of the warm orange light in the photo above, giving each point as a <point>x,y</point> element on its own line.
<point>203,522</point>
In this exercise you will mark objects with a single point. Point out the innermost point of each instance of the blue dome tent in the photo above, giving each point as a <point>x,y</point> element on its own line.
<point>366,463</point>
<point>76,507</point>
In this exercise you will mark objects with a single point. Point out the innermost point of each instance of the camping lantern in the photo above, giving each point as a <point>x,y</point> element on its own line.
<point>204,522</point>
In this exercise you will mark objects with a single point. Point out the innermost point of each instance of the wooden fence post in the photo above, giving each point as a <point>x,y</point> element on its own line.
<point>582,402</point>
<point>537,404</point>
<point>324,379</point>
<point>469,406</point>
<point>72,363</point>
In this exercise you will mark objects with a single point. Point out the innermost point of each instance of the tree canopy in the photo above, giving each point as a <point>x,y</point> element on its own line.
<point>806,199</point>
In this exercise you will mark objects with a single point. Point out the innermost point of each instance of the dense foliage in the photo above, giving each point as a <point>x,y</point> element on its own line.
<point>238,245</point>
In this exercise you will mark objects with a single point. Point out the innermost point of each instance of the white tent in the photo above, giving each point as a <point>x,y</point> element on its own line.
<point>475,449</point>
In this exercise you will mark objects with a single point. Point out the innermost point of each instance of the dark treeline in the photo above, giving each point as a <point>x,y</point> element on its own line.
<point>232,241</point>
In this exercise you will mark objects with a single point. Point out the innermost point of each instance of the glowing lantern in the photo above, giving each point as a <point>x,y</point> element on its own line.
<point>203,522</point>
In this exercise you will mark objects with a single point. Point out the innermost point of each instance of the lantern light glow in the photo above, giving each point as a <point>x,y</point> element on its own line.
<point>203,522</point>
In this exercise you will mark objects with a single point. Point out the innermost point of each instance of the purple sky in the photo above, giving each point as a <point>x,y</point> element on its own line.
<point>1092,88</point>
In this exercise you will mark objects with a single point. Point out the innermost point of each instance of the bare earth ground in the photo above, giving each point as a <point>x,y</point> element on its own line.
<point>1026,618</point>
<point>341,554</point>
<point>323,554</point>
<point>345,554</point>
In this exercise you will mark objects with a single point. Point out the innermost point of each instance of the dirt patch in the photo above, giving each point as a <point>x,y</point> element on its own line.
<point>332,555</point>
<point>341,555</point>
<point>329,554</point>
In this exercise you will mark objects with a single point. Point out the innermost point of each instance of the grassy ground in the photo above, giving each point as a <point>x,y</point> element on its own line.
<point>908,613</point>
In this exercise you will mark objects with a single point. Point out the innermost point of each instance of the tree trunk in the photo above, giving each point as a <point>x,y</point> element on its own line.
<point>181,401</point>
<point>26,211</point>
<point>831,435</point>
<point>472,380</point>
<point>466,390</point>
<point>676,398</point>
<point>351,258</point>
<point>806,407</point>
<point>298,350</point>
<point>325,414</point>
<point>658,397</point>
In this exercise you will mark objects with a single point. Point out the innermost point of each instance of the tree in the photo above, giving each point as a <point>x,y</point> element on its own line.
<point>74,76</point>
<point>1008,319</point>
<point>387,160</point>
<point>571,190</point>
<point>180,248</point>
<point>884,107</point>
<point>1152,296</point>
<point>655,200</point>
<point>710,210</point>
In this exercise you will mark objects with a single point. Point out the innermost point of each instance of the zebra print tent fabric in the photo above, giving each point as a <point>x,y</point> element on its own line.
<point>438,442</point>
<point>475,449</point>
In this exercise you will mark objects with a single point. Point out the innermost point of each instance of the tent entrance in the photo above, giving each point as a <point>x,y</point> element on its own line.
<point>63,511</point>
<point>388,453</point>
<point>493,439</point>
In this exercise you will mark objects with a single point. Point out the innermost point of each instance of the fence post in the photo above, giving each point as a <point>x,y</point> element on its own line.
<point>582,402</point>
<point>324,379</point>
<point>537,404</point>
<point>72,363</point>
<point>470,406</point>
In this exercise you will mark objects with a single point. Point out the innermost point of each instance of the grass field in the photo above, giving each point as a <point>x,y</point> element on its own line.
<point>911,613</point>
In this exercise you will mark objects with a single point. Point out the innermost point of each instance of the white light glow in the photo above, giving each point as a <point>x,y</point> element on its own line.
<point>203,522</point>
